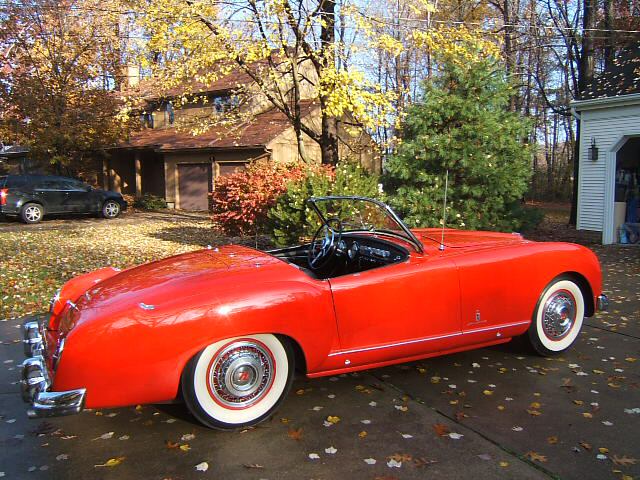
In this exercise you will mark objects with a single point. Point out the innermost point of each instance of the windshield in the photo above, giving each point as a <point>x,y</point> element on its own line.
<point>363,214</point>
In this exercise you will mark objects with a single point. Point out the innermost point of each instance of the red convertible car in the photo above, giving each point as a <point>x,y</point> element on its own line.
<point>224,328</point>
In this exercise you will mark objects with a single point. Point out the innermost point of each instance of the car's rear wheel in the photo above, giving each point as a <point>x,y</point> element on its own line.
<point>32,213</point>
<point>110,209</point>
<point>238,382</point>
<point>558,317</point>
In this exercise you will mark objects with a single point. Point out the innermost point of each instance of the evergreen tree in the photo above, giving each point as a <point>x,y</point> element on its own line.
<point>462,124</point>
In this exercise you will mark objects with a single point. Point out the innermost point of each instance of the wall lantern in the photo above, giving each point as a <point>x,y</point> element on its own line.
<point>593,150</point>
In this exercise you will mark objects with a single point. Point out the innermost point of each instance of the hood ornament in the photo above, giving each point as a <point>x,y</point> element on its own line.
<point>144,306</point>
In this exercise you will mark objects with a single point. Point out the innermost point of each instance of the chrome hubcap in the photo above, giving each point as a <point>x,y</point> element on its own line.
<point>111,209</point>
<point>32,214</point>
<point>559,314</point>
<point>241,374</point>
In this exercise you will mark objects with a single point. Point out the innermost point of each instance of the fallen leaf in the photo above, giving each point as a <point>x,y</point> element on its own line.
<point>187,437</point>
<point>552,440</point>
<point>331,450</point>
<point>252,465</point>
<point>112,462</point>
<point>455,436</point>
<point>587,415</point>
<point>170,444</point>
<point>586,446</point>
<point>333,419</point>
<point>534,413</point>
<point>370,461</point>
<point>624,461</point>
<point>504,464</point>
<point>185,447</point>
<point>314,456</point>
<point>362,434</point>
<point>202,467</point>
<point>488,392</point>
<point>603,450</point>
<point>296,434</point>
<point>400,457</point>
<point>423,462</point>
<point>441,429</point>
<point>535,456</point>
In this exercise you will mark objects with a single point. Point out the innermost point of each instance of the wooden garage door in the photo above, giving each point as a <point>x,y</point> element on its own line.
<point>193,186</point>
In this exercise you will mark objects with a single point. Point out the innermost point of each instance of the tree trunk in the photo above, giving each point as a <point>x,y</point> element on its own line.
<point>610,41</point>
<point>329,140</point>
<point>585,77</point>
<point>509,47</point>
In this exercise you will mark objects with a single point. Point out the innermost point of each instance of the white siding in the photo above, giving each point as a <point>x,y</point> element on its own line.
<point>607,126</point>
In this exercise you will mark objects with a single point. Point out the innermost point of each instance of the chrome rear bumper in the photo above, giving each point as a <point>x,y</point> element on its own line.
<point>603,303</point>
<point>36,378</point>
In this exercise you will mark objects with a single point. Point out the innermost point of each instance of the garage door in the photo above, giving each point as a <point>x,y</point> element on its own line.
<point>193,186</point>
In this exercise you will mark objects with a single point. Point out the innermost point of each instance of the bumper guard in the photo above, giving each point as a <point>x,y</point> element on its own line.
<point>36,378</point>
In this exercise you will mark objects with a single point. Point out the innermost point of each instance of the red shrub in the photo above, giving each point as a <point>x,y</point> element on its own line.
<point>241,200</point>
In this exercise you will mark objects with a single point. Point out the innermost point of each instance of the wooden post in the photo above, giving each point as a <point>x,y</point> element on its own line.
<point>138,165</point>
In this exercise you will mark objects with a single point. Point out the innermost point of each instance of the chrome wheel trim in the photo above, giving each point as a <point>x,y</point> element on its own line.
<point>32,213</point>
<point>241,374</point>
<point>111,209</point>
<point>559,314</point>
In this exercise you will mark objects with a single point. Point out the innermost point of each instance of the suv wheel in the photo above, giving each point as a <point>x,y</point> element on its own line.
<point>32,213</point>
<point>110,209</point>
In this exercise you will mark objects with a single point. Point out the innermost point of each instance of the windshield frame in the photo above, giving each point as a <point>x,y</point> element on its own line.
<point>409,236</point>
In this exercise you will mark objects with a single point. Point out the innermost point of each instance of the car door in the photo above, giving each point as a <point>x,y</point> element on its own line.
<point>79,197</point>
<point>492,293</point>
<point>397,311</point>
<point>51,192</point>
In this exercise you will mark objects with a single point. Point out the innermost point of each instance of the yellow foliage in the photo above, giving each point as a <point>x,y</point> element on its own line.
<point>459,44</point>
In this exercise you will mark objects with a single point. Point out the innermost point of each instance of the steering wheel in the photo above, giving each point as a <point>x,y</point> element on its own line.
<point>324,244</point>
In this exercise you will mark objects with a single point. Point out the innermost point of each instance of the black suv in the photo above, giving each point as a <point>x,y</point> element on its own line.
<point>32,196</point>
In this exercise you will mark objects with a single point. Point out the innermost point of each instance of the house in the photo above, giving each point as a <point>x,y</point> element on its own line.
<point>170,162</point>
<point>609,113</point>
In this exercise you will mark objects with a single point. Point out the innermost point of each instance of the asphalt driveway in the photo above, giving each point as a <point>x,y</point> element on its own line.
<point>494,413</point>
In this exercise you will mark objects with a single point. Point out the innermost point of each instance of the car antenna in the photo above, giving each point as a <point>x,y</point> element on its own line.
<point>444,209</point>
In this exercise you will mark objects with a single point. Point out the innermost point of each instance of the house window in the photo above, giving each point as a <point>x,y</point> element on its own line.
<point>170,113</point>
<point>224,103</point>
<point>146,119</point>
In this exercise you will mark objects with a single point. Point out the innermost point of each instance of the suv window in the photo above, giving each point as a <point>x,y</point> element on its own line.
<point>50,183</point>
<point>14,181</point>
<point>73,184</point>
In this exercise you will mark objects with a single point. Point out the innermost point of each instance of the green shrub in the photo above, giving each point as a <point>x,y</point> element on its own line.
<point>463,125</point>
<point>291,217</point>
<point>150,202</point>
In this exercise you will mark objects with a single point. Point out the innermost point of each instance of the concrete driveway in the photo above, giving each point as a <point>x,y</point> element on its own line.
<point>493,413</point>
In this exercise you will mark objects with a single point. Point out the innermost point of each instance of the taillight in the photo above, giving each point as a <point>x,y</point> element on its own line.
<point>3,196</point>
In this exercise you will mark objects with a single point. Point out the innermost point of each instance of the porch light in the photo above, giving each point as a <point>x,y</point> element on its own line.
<point>593,150</point>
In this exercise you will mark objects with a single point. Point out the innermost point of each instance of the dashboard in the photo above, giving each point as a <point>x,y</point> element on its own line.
<point>364,252</point>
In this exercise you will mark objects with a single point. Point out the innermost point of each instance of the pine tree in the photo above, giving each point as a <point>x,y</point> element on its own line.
<point>462,124</point>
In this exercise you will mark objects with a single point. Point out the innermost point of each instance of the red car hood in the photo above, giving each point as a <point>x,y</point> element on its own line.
<point>466,238</point>
<point>154,285</point>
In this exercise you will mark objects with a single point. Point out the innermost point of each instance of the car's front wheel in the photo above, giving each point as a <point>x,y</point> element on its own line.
<point>32,213</point>
<point>238,382</point>
<point>558,317</point>
<point>110,209</point>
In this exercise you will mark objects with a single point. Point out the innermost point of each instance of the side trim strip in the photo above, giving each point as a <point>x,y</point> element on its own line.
<point>428,339</point>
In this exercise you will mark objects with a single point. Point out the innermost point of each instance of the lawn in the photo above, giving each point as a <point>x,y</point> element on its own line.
<point>36,262</point>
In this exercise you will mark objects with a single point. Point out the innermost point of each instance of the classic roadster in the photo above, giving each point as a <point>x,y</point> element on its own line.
<point>224,328</point>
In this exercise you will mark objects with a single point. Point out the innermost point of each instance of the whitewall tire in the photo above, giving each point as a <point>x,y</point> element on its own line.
<point>238,382</point>
<point>558,317</point>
